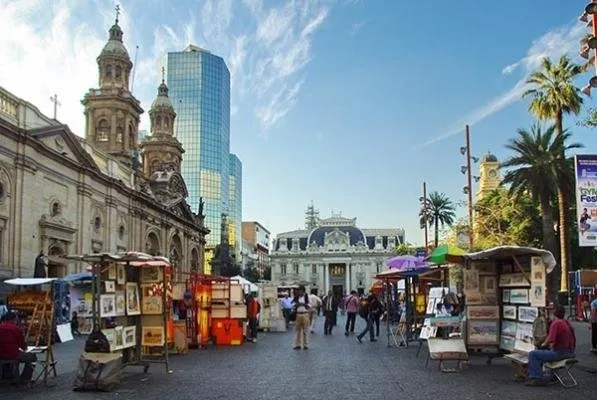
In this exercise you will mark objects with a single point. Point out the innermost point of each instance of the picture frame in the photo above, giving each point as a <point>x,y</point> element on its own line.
<point>107,305</point>
<point>514,280</point>
<point>121,274</point>
<point>527,314</point>
<point>110,286</point>
<point>507,342</point>
<point>509,328</point>
<point>120,302</point>
<point>537,295</point>
<point>109,334</point>
<point>129,336</point>
<point>133,305</point>
<point>152,336</point>
<point>474,299</point>
<point>150,304</point>
<point>519,296</point>
<point>85,325</point>
<point>484,268</point>
<point>151,274</point>
<point>483,332</point>
<point>489,284</point>
<point>524,337</point>
<point>471,281</point>
<point>112,272</point>
<point>505,295</point>
<point>509,312</point>
<point>431,306</point>
<point>118,341</point>
<point>483,312</point>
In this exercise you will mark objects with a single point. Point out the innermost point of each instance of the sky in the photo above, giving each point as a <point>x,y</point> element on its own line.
<point>350,104</point>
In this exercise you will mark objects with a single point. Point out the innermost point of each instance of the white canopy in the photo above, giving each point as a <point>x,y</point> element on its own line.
<point>249,286</point>
<point>29,281</point>
<point>510,251</point>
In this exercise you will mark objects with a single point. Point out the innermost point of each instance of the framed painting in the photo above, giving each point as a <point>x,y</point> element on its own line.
<point>110,286</point>
<point>133,305</point>
<point>152,336</point>
<point>112,272</point>
<point>150,304</point>
<point>483,312</point>
<point>118,341</point>
<point>509,312</point>
<point>489,284</point>
<point>120,303</point>
<point>483,332</point>
<point>505,295</point>
<point>431,306</point>
<point>151,274</point>
<point>129,336</point>
<point>107,305</point>
<point>519,296</point>
<point>121,274</point>
<point>527,314</point>
<point>509,328</point>
<point>471,281</point>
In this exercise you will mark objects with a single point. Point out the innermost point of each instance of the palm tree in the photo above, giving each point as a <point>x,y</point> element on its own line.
<point>437,211</point>
<point>538,169</point>
<point>553,95</point>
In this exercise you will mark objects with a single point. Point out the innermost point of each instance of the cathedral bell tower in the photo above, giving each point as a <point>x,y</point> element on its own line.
<point>489,175</point>
<point>112,112</point>
<point>161,150</point>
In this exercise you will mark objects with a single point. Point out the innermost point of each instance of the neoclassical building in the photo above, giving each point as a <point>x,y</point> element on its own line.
<point>106,193</point>
<point>335,255</point>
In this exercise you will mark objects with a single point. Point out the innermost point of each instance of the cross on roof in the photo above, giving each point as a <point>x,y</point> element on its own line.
<point>163,74</point>
<point>117,8</point>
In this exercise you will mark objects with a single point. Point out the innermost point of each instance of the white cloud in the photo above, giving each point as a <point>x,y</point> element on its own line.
<point>52,46</point>
<point>552,44</point>
<point>356,27</point>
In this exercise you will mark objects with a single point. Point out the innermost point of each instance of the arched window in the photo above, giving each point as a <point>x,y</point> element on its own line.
<point>158,121</point>
<point>131,133</point>
<point>103,131</point>
<point>118,72</point>
<point>108,71</point>
<point>119,134</point>
<point>166,122</point>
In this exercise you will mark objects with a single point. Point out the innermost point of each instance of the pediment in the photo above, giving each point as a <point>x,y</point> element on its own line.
<point>62,141</point>
<point>181,209</point>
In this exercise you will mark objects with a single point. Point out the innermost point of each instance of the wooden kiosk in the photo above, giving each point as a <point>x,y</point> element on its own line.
<point>131,305</point>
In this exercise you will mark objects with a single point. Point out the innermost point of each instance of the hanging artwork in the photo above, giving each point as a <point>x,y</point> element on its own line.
<point>150,304</point>
<point>505,295</point>
<point>512,280</point>
<point>121,274</point>
<point>471,281</point>
<point>130,336</point>
<point>509,312</point>
<point>483,312</point>
<point>112,272</point>
<point>107,305</point>
<point>524,337</point>
<point>110,286</point>
<point>527,314</point>
<point>151,274</point>
<point>519,296</point>
<point>509,328</point>
<point>118,341</point>
<point>483,332</point>
<point>120,303</point>
<point>152,336</point>
<point>489,284</point>
<point>538,282</point>
<point>430,306</point>
<point>133,306</point>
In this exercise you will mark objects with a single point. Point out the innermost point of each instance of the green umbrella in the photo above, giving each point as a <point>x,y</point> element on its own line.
<point>446,253</point>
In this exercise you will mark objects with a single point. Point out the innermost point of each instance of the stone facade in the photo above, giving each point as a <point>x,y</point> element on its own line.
<point>336,255</point>
<point>62,194</point>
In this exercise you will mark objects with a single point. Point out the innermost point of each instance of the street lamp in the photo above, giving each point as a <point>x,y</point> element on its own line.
<point>425,203</point>
<point>468,189</point>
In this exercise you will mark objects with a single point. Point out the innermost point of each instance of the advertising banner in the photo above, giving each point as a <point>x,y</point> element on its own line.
<point>586,199</point>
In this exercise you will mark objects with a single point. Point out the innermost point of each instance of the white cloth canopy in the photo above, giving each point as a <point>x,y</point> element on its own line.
<point>249,286</point>
<point>29,281</point>
<point>509,251</point>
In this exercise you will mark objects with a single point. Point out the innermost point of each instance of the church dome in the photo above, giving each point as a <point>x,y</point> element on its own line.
<point>489,158</point>
<point>115,47</point>
<point>162,100</point>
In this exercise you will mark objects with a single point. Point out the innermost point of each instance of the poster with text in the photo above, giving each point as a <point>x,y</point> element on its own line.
<point>586,199</point>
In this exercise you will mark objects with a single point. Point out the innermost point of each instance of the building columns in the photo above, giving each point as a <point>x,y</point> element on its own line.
<point>326,277</point>
<point>347,278</point>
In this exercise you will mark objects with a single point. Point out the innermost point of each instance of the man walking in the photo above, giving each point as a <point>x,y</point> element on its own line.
<point>352,306</point>
<point>330,309</point>
<point>286,304</point>
<point>301,308</point>
<point>315,303</point>
<point>369,312</point>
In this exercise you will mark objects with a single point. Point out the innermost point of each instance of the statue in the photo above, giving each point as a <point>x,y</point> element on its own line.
<point>201,204</point>
<point>40,266</point>
<point>135,160</point>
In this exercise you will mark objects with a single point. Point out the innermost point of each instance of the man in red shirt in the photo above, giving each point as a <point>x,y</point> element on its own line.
<point>559,344</point>
<point>13,346</point>
<point>253,310</point>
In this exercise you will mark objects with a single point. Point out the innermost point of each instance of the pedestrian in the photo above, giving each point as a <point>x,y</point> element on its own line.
<point>13,346</point>
<point>352,307</point>
<point>330,309</point>
<point>368,309</point>
<point>301,308</point>
<point>315,303</point>
<point>377,317</point>
<point>74,324</point>
<point>559,344</point>
<point>286,305</point>
<point>253,309</point>
<point>593,326</point>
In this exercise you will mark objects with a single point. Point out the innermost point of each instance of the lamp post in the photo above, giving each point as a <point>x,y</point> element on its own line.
<point>589,42</point>
<point>424,201</point>
<point>468,189</point>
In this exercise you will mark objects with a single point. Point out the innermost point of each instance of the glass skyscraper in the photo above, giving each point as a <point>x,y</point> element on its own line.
<point>235,205</point>
<point>199,84</point>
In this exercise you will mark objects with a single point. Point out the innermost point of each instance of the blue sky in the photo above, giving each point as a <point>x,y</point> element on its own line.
<point>351,104</point>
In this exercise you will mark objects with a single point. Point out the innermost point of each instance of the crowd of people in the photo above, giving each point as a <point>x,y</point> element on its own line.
<point>304,309</point>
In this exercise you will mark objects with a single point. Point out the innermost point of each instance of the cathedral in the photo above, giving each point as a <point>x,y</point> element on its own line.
<point>109,192</point>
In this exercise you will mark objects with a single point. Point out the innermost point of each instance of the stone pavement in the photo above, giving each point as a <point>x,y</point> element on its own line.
<point>334,367</point>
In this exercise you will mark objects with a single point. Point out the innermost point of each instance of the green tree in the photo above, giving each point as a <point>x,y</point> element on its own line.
<point>503,219</point>
<point>538,166</point>
<point>553,95</point>
<point>404,249</point>
<point>267,273</point>
<point>251,274</point>
<point>437,210</point>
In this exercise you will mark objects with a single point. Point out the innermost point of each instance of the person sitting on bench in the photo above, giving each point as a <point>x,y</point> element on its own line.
<point>559,344</point>
<point>13,346</point>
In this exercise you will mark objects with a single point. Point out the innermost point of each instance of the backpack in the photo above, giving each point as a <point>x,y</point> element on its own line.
<point>363,308</point>
<point>97,343</point>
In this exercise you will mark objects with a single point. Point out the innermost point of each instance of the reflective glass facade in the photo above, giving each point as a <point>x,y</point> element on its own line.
<point>199,85</point>
<point>235,204</point>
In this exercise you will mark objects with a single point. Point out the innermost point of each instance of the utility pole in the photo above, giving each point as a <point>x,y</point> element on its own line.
<point>426,222</point>
<point>470,188</point>
<point>54,99</point>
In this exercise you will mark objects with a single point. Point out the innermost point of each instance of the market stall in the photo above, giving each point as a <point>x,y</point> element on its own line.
<point>131,296</point>
<point>34,304</point>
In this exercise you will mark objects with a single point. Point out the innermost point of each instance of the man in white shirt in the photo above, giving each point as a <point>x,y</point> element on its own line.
<point>315,303</point>
<point>301,307</point>
<point>286,304</point>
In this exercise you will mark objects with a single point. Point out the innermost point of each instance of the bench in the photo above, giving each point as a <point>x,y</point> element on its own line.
<point>521,363</point>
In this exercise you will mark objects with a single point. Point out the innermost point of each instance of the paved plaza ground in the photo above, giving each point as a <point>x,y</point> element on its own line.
<point>334,367</point>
